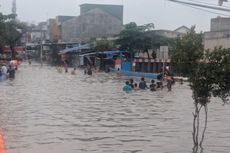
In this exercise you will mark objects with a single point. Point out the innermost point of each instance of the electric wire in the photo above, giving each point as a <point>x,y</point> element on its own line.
<point>200,5</point>
<point>206,10</point>
<point>201,2</point>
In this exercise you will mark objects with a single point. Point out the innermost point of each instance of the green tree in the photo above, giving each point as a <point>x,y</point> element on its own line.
<point>11,31</point>
<point>130,37</point>
<point>135,38</point>
<point>104,45</point>
<point>2,25</point>
<point>187,51</point>
<point>208,76</point>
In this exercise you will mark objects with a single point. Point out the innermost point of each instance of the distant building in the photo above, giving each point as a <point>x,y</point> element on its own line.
<point>114,10</point>
<point>95,21</point>
<point>36,33</point>
<point>56,29</point>
<point>179,32</point>
<point>50,23</point>
<point>219,34</point>
<point>220,24</point>
<point>182,29</point>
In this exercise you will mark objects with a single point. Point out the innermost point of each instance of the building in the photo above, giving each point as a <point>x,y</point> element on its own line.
<point>114,10</point>
<point>219,36</point>
<point>220,24</point>
<point>179,32</point>
<point>183,29</point>
<point>95,21</point>
<point>37,33</point>
<point>56,27</point>
<point>50,23</point>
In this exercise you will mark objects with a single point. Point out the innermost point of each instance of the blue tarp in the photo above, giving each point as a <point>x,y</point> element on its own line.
<point>137,74</point>
<point>110,54</point>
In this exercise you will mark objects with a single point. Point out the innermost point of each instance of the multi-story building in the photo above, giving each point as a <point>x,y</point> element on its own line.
<point>95,21</point>
<point>50,23</point>
<point>37,33</point>
<point>219,36</point>
<point>56,27</point>
<point>114,10</point>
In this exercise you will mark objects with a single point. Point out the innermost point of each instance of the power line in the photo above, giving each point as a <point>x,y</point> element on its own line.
<point>206,10</point>
<point>207,3</point>
<point>201,5</point>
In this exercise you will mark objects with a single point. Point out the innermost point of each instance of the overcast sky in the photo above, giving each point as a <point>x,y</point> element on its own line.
<point>164,14</point>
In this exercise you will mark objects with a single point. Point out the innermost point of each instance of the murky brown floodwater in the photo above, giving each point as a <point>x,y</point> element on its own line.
<point>42,111</point>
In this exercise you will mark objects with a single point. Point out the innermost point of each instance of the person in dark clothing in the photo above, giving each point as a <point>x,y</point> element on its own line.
<point>11,72</point>
<point>169,80</point>
<point>152,86</point>
<point>142,84</point>
<point>136,87</point>
<point>127,87</point>
<point>66,67</point>
<point>181,81</point>
<point>159,85</point>
<point>131,83</point>
<point>90,72</point>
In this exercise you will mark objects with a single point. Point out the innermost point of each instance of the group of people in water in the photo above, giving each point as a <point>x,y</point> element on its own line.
<point>87,71</point>
<point>66,69</point>
<point>142,85</point>
<point>7,70</point>
<point>154,86</point>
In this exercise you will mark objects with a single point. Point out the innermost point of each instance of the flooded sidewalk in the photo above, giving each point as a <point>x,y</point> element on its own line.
<point>42,111</point>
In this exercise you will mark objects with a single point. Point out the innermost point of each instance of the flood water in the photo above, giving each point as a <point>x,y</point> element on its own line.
<point>42,111</point>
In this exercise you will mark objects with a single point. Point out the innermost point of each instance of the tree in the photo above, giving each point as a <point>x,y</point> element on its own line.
<point>11,31</point>
<point>104,45</point>
<point>2,21</point>
<point>130,37</point>
<point>208,75</point>
<point>187,51</point>
<point>135,38</point>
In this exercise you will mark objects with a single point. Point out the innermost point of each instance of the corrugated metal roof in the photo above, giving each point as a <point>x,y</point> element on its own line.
<point>76,49</point>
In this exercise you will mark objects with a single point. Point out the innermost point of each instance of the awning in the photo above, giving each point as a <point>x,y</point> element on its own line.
<point>109,54</point>
<point>88,54</point>
<point>76,49</point>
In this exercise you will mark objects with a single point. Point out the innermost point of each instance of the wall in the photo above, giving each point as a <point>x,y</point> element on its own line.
<point>216,39</point>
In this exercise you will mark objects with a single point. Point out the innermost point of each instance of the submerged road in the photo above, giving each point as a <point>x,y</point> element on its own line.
<point>42,111</point>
